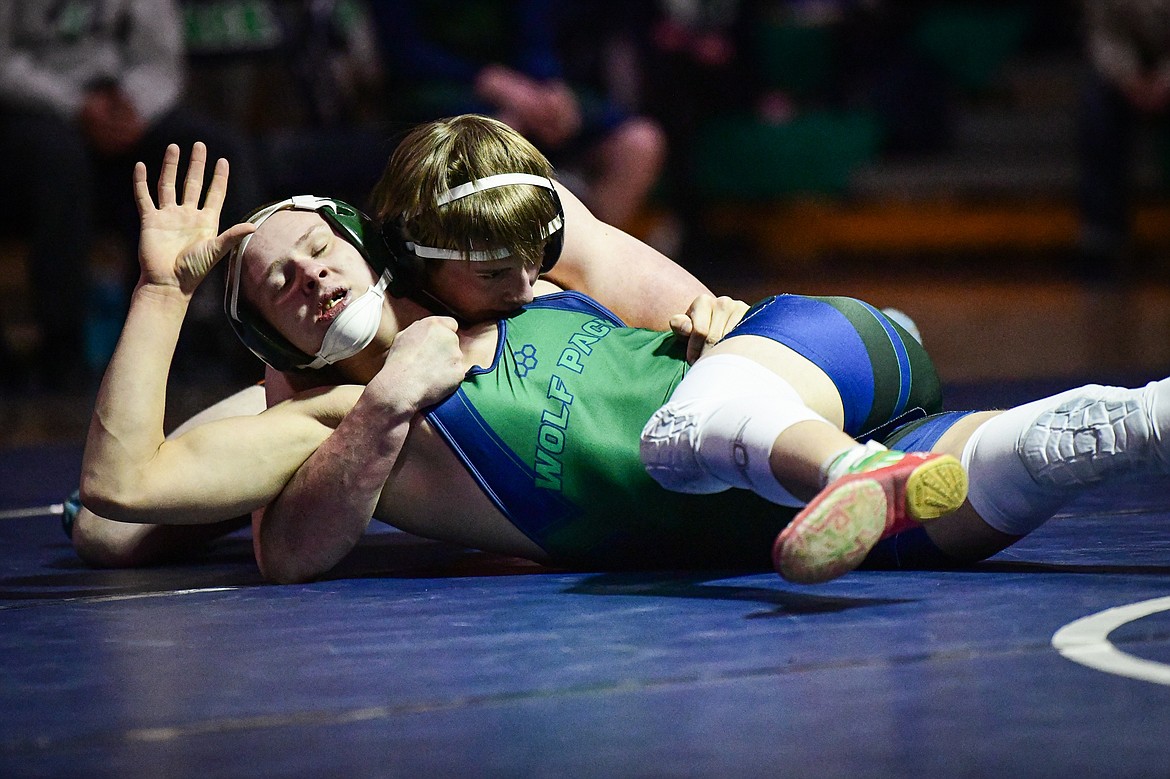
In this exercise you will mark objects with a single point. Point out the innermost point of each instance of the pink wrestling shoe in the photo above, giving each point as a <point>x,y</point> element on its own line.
<point>883,494</point>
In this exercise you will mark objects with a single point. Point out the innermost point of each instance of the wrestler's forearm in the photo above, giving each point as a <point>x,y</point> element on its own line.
<point>325,508</point>
<point>210,473</point>
<point>126,429</point>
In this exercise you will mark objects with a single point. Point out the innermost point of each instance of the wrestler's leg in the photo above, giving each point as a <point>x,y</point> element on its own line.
<point>105,543</point>
<point>1026,463</point>
<point>247,402</point>
<point>815,453</point>
<point>738,420</point>
<point>838,359</point>
<point>959,537</point>
<point>747,398</point>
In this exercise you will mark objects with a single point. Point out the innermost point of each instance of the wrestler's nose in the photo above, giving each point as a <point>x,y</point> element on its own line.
<point>311,275</point>
<point>521,288</point>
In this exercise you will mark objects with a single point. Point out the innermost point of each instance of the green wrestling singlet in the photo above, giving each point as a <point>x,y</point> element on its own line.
<point>550,432</point>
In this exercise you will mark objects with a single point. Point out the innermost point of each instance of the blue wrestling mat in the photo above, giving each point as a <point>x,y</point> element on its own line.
<point>421,660</point>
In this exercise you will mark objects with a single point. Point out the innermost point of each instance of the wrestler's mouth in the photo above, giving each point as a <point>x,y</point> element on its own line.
<point>333,304</point>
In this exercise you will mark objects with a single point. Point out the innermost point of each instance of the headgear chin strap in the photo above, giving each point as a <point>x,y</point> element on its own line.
<point>354,327</point>
<point>357,324</point>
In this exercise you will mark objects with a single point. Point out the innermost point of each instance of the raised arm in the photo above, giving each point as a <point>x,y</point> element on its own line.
<point>129,472</point>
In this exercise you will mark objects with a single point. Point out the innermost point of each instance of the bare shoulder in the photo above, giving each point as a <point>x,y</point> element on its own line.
<point>635,281</point>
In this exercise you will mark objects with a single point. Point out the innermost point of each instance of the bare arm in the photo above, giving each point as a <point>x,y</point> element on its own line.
<point>635,281</point>
<point>129,472</point>
<point>326,507</point>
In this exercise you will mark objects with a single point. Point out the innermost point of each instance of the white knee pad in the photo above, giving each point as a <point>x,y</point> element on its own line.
<point>1001,490</point>
<point>718,428</point>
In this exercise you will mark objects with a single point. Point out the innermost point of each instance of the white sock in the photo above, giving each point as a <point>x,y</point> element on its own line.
<point>840,464</point>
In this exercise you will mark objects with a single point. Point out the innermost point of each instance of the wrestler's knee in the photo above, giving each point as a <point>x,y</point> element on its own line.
<point>669,448</point>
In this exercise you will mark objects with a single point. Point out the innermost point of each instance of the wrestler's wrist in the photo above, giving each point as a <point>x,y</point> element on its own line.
<point>388,407</point>
<point>161,294</point>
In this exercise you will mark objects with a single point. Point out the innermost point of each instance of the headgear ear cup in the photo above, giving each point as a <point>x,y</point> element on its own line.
<point>556,240</point>
<point>406,267</point>
<point>368,237</point>
<point>263,340</point>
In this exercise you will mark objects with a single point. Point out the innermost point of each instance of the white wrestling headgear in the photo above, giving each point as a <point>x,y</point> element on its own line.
<point>410,257</point>
<point>479,185</point>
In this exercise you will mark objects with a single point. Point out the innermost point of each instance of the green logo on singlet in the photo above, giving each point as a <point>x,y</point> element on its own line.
<point>581,344</point>
<point>550,438</point>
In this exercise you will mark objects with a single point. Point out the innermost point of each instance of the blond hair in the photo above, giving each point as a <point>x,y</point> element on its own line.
<point>437,156</point>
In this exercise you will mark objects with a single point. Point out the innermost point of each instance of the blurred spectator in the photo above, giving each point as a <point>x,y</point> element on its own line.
<point>882,68</point>
<point>774,61</point>
<point>340,146</point>
<point>500,58</point>
<point>698,63</point>
<point>88,87</point>
<point>1128,45</point>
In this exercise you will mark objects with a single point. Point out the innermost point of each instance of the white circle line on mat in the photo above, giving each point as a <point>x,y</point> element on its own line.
<point>1086,641</point>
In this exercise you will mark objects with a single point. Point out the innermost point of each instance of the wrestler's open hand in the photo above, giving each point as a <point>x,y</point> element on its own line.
<point>423,367</point>
<point>178,245</point>
<point>707,320</point>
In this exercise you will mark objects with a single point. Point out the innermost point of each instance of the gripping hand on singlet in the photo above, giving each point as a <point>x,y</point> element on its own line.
<point>708,319</point>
